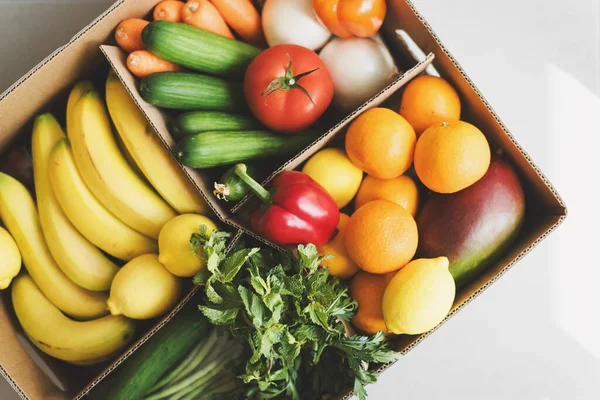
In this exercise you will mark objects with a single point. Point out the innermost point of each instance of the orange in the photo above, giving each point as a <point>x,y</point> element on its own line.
<point>347,18</point>
<point>429,100</point>
<point>381,143</point>
<point>341,266</point>
<point>401,190</point>
<point>381,237</point>
<point>368,289</point>
<point>451,156</point>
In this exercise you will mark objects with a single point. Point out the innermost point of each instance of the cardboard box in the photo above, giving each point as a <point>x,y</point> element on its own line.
<point>45,89</point>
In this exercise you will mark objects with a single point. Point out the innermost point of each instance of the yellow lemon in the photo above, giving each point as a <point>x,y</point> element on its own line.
<point>333,170</point>
<point>10,259</point>
<point>419,296</point>
<point>341,265</point>
<point>174,249</point>
<point>143,289</point>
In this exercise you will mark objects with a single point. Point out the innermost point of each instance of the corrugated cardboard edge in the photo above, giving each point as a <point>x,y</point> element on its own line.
<point>13,384</point>
<point>234,239</point>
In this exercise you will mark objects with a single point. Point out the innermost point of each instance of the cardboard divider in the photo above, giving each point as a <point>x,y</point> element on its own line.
<point>323,140</point>
<point>239,219</point>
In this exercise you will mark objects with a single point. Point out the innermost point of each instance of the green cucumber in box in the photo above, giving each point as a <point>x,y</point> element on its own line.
<point>140,372</point>
<point>210,121</point>
<point>198,49</point>
<point>213,149</point>
<point>188,91</point>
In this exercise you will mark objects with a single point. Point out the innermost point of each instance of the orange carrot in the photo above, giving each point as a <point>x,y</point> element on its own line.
<point>168,10</point>
<point>202,14</point>
<point>243,18</point>
<point>129,34</point>
<point>142,63</point>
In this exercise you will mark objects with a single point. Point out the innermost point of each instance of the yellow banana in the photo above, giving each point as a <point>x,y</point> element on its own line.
<point>79,259</point>
<point>60,337</point>
<point>106,172</point>
<point>10,260</point>
<point>18,212</point>
<point>87,214</point>
<point>77,92</point>
<point>150,154</point>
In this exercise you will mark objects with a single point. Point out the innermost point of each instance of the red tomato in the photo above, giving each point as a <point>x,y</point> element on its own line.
<point>288,87</point>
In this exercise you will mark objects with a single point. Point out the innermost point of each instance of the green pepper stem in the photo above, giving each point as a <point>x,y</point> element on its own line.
<point>241,170</point>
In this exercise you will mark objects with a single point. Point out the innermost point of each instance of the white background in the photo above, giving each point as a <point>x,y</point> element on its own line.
<point>535,335</point>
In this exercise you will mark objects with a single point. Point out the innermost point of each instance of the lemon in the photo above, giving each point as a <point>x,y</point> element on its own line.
<point>333,170</point>
<point>419,296</point>
<point>10,259</point>
<point>143,289</point>
<point>174,249</point>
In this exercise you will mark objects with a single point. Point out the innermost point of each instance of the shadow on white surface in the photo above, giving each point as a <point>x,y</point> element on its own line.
<point>574,139</point>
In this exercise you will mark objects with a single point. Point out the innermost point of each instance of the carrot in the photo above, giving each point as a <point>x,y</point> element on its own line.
<point>168,10</point>
<point>243,18</point>
<point>142,63</point>
<point>129,34</point>
<point>202,14</point>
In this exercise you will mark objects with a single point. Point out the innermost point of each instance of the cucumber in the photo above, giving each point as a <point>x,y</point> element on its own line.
<point>206,121</point>
<point>231,187</point>
<point>213,149</point>
<point>188,91</point>
<point>198,49</point>
<point>140,372</point>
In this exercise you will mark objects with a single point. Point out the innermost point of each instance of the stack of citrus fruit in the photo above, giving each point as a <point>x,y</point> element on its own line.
<point>378,239</point>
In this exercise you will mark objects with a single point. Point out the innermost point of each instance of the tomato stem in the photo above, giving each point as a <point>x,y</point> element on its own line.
<point>288,82</point>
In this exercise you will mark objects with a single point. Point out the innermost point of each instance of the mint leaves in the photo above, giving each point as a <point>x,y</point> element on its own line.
<point>291,314</point>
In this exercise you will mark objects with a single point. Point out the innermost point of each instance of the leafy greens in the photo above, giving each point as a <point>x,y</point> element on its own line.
<point>292,315</point>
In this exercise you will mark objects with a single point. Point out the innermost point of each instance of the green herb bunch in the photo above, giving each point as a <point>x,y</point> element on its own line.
<point>293,316</point>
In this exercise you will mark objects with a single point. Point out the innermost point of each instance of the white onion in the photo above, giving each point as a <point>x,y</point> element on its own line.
<point>293,22</point>
<point>360,68</point>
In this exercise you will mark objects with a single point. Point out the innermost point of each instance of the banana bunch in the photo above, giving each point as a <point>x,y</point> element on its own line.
<point>101,202</point>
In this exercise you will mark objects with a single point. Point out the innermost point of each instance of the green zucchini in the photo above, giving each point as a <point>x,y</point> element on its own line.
<point>188,91</point>
<point>231,187</point>
<point>206,121</point>
<point>198,49</point>
<point>140,372</point>
<point>213,149</point>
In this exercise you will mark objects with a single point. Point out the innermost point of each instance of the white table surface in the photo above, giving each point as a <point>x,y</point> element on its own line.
<point>534,335</point>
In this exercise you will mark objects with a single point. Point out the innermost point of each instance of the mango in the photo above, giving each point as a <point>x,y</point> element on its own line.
<point>476,226</point>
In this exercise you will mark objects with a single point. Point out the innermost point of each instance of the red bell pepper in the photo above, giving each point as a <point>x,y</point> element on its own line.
<point>297,210</point>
